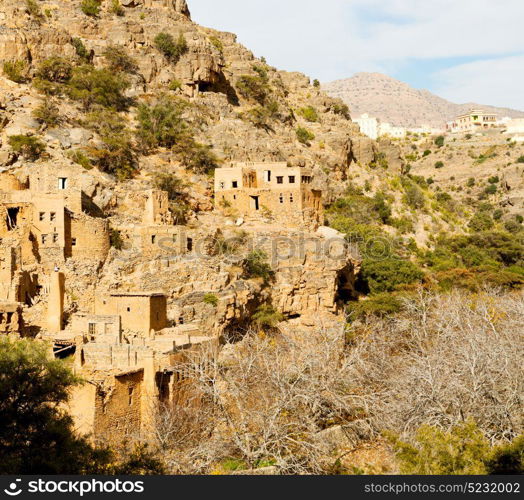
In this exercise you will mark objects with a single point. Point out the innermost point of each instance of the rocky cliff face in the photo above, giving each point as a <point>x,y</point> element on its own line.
<point>207,77</point>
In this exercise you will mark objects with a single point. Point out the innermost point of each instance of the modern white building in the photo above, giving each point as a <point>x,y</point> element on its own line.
<point>368,126</point>
<point>515,126</point>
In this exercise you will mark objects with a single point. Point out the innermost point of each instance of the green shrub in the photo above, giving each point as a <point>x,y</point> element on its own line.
<point>497,214</point>
<point>172,49</point>
<point>98,86</point>
<point>91,7</point>
<point>382,207</point>
<point>161,124</point>
<point>316,83</point>
<point>175,84</point>
<point>440,140</point>
<point>468,136</point>
<point>379,160</point>
<point>380,305</point>
<point>481,222</point>
<point>116,8</point>
<point>47,113</point>
<point>463,450</point>
<point>339,108</point>
<point>31,148</point>
<point>256,266</point>
<point>118,60</point>
<point>171,184</point>
<point>80,49</point>
<point>115,155</point>
<point>426,153</point>
<point>304,136</point>
<point>34,389</point>
<point>16,71</point>
<point>196,156</point>
<point>378,276</point>
<point>494,180</point>
<point>471,182</point>
<point>210,299</point>
<point>439,164</point>
<point>519,218</point>
<point>253,88</point>
<point>520,159</point>
<point>52,74</point>
<point>266,316</point>
<point>309,113</point>
<point>491,189</point>
<point>413,195</point>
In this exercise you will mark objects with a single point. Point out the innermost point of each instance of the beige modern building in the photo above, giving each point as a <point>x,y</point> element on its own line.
<point>473,121</point>
<point>273,189</point>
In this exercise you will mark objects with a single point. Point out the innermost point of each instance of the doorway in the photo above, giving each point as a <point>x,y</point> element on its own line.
<point>255,203</point>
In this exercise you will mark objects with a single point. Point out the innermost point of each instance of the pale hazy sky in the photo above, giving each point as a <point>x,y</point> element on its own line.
<point>463,50</point>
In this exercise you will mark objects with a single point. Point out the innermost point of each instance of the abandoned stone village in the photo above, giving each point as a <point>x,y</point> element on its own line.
<point>129,338</point>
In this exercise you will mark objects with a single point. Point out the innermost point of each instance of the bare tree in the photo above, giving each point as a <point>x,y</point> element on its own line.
<point>445,359</point>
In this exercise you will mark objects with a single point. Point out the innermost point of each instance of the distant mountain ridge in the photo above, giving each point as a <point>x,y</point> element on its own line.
<point>400,104</point>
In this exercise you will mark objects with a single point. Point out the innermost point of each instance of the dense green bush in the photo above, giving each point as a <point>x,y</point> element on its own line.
<point>115,155</point>
<point>119,60</point>
<point>256,266</point>
<point>490,248</point>
<point>37,436</point>
<point>381,304</point>
<point>309,113</point>
<point>196,156</point>
<point>98,86</point>
<point>210,299</point>
<point>161,124</point>
<point>491,189</point>
<point>481,222</point>
<point>16,71</point>
<point>413,195</point>
<point>316,83</point>
<point>463,450</point>
<point>388,274</point>
<point>254,88</point>
<point>80,49</point>
<point>520,159</point>
<point>30,147</point>
<point>304,136</point>
<point>172,49</point>
<point>266,316</point>
<point>440,140</point>
<point>91,7</point>
<point>55,69</point>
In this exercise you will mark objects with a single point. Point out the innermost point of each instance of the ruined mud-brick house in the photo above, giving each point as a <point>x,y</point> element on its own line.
<point>254,189</point>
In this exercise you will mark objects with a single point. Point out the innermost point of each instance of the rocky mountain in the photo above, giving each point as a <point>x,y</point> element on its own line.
<point>398,103</point>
